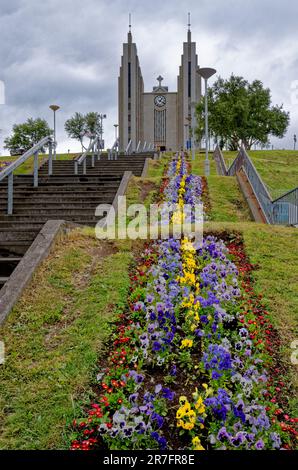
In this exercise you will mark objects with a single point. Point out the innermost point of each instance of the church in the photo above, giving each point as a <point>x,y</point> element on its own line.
<point>160,118</point>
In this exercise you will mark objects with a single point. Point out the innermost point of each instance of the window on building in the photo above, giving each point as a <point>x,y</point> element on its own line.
<point>189,79</point>
<point>129,80</point>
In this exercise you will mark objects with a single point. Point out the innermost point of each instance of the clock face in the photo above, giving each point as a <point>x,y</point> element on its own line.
<point>160,100</point>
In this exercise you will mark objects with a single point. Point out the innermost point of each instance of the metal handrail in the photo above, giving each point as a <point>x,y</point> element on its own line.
<point>220,161</point>
<point>128,147</point>
<point>285,208</point>
<point>243,161</point>
<point>8,171</point>
<point>286,194</point>
<point>281,210</point>
<point>82,158</point>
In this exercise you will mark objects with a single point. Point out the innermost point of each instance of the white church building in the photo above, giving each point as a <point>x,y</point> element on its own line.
<point>159,117</point>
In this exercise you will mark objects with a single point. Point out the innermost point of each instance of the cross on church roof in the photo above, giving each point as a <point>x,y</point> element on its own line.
<point>159,79</point>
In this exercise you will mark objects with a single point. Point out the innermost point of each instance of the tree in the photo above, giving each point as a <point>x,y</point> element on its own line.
<point>241,113</point>
<point>26,135</point>
<point>75,127</point>
<point>80,126</point>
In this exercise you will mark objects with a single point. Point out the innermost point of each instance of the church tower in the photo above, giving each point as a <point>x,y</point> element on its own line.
<point>158,118</point>
<point>130,89</point>
<point>189,89</point>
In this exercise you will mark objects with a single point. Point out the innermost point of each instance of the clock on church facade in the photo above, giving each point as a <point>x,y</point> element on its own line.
<point>160,100</point>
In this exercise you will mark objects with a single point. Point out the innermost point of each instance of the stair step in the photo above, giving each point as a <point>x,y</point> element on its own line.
<point>7,265</point>
<point>57,214</point>
<point>3,280</point>
<point>53,199</point>
<point>15,243</point>
<point>17,236</point>
<point>60,189</point>
<point>43,218</point>
<point>9,259</point>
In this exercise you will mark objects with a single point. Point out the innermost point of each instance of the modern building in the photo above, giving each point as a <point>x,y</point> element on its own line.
<point>160,118</point>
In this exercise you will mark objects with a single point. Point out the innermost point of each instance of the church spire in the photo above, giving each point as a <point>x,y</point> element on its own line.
<point>189,31</point>
<point>129,36</point>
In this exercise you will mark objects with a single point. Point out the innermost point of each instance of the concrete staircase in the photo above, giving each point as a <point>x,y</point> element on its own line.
<point>61,196</point>
<point>103,167</point>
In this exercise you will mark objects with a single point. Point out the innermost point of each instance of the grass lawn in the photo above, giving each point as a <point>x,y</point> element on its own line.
<point>274,251</point>
<point>27,167</point>
<point>53,338</point>
<point>157,167</point>
<point>227,201</point>
<point>197,166</point>
<point>277,168</point>
<point>142,190</point>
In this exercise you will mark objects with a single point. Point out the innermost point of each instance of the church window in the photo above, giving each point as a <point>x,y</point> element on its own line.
<point>189,79</point>
<point>129,80</point>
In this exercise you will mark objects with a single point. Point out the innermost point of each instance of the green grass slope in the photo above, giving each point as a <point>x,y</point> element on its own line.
<point>53,338</point>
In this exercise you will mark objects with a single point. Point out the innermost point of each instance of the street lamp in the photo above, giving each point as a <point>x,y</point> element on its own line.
<point>116,138</point>
<point>101,117</point>
<point>206,73</point>
<point>54,108</point>
<point>193,130</point>
<point>186,125</point>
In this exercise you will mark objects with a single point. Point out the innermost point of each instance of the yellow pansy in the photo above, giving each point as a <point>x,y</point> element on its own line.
<point>186,343</point>
<point>188,426</point>
<point>196,442</point>
<point>199,406</point>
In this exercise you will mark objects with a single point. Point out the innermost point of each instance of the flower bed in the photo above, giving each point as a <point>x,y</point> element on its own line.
<point>189,361</point>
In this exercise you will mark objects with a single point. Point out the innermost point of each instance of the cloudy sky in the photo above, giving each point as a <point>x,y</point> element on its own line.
<point>68,52</point>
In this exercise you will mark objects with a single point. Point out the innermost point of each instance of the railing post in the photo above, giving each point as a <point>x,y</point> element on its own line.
<point>76,167</point>
<point>84,166</point>
<point>35,170</point>
<point>50,159</point>
<point>10,194</point>
<point>93,155</point>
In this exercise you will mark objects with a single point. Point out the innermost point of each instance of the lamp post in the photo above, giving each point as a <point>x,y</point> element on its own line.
<point>101,117</point>
<point>206,73</point>
<point>193,130</point>
<point>54,108</point>
<point>186,125</point>
<point>116,138</point>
